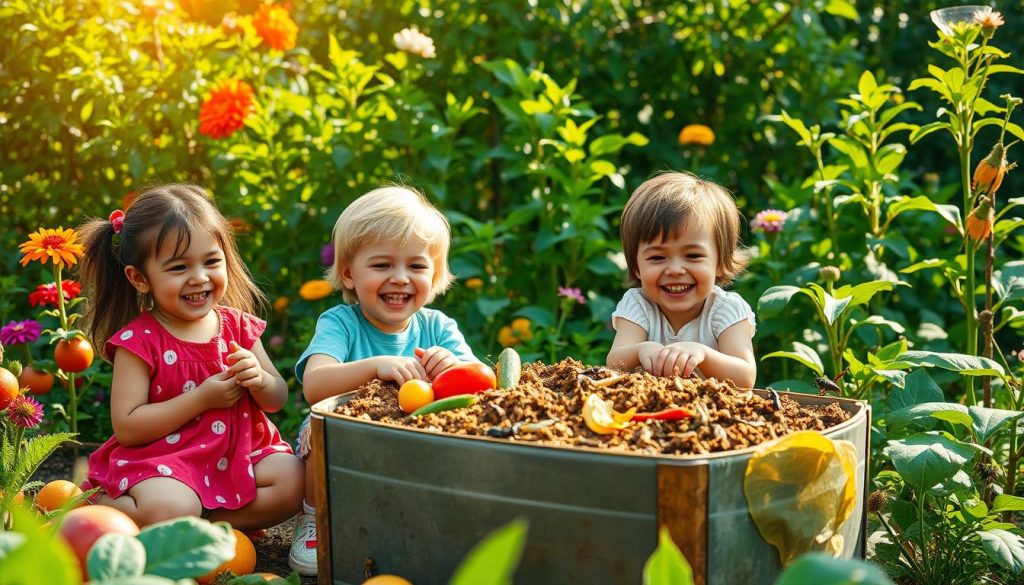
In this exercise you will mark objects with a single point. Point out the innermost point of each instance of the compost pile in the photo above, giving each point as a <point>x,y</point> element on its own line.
<point>546,406</point>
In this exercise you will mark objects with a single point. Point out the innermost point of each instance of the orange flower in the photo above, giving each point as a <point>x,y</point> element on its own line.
<point>281,304</point>
<point>314,290</point>
<point>474,283</point>
<point>275,26</point>
<point>57,245</point>
<point>224,112</point>
<point>988,175</point>
<point>697,134</point>
<point>979,222</point>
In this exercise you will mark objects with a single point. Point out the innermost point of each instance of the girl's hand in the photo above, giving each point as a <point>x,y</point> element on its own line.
<point>436,360</point>
<point>678,359</point>
<point>400,369</point>
<point>220,390</point>
<point>244,367</point>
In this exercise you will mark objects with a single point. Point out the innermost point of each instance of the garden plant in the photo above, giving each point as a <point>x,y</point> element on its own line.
<point>870,145</point>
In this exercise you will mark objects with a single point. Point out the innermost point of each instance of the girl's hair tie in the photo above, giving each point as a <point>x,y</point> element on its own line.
<point>117,220</point>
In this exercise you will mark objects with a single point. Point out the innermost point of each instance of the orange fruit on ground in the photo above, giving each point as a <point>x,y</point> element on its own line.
<point>386,580</point>
<point>243,563</point>
<point>414,394</point>
<point>9,387</point>
<point>53,495</point>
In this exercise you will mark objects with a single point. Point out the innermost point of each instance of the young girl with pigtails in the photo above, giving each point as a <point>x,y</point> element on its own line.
<point>171,305</point>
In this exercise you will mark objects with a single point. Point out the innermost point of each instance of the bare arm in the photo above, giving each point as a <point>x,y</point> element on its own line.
<point>630,342</point>
<point>734,359</point>
<point>325,376</point>
<point>136,421</point>
<point>254,370</point>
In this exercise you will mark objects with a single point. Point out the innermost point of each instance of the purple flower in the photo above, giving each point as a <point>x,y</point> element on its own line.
<point>769,221</point>
<point>572,293</point>
<point>327,255</point>
<point>25,411</point>
<point>19,332</point>
<point>276,341</point>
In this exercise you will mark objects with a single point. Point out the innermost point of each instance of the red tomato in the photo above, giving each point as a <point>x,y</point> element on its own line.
<point>37,381</point>
<point>73,355</point>
<point>464,379</point>
<point>8,387</point>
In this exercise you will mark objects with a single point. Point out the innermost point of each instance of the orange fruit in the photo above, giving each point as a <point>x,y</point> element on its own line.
<point>243,563</point>
<point>54,494</point>
<point>414,394</point>
<point>9,387</point>
<point>386,580</point>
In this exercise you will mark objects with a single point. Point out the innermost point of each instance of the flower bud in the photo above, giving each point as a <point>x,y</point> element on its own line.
<point>988,175</point>
<point>979,222</point>
<point>829,273</point>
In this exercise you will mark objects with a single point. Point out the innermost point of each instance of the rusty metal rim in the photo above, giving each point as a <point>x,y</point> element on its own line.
<point>859,408</point>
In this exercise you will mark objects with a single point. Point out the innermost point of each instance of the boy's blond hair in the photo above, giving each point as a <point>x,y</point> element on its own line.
<point>391,214</point>
<point>671,201</point>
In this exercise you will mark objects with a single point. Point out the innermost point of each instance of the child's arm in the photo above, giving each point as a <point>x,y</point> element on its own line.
<point>733,360</point>
<point>325,376</point>
<point>136,421</point>
<point>254,370</point>
<point>630,346</point>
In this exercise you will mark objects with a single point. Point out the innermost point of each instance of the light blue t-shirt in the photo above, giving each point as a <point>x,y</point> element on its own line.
<point>343,333</point>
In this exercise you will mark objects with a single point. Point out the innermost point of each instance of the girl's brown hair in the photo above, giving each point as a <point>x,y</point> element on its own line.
<point>162,213</point>
<point>671,201</point>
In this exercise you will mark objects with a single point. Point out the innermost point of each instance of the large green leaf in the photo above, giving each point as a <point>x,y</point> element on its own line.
<point>948,411</point>
<point>925,460</point>
<point>186,547</point>
<point>862,293</point>
<point>967,365</point>
<point>774,299</point>
<point>822,569</point>
<point>989,421</point>
<point>918,388</point>
<point>803,354</point>
<point>495,558</point>
<point>116,555</point>
<point>1006,503</point>
<point>1004,547</point>
<point>667,565</point>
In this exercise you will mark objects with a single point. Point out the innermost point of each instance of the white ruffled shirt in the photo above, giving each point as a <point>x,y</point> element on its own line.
<point>722,310</point>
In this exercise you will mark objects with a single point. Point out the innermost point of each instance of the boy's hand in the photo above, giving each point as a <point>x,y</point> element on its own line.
<point>436,360</point>
<point>400,369</point>
<point>678,359</point>
<point>220,391</point>
<point>244,366</point>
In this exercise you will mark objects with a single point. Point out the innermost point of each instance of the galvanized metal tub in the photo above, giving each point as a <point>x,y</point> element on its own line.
<point>416,502</point>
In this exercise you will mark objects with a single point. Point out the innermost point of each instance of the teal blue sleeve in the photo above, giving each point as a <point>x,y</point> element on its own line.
<point>333,337</point>
<point>448,336</point>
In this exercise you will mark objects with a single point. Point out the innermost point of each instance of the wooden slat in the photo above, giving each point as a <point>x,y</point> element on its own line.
<point>318,459</point>
<point>683,509</point>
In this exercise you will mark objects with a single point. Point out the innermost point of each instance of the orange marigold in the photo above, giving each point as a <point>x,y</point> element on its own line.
<point>314,290</point>
<point>223,113</point>
<point>697,134</point>
<point>54,244</point>
<point>275,26</point>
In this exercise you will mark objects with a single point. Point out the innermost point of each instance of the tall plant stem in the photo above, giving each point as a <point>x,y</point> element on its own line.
<point>970,310</point>
<point>63,317</point>
<point>987,326</point>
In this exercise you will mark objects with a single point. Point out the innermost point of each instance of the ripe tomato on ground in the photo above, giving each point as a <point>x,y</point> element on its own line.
<point>38,382</point>
<point>414,394</point>
<point>73,355</point>
<point>464,379</point>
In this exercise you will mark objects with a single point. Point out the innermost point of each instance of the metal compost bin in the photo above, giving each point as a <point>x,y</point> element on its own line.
<point>416,502</point>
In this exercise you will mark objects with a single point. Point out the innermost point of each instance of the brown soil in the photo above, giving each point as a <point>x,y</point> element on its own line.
<point>724,417</point>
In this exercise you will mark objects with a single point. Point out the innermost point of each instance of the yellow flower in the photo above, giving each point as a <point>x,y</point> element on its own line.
<point>506,338</point>
<point>474,283</point>
<point>314,290</point>
<point>521,327</point>
<point>697,134</point>
<point>281,304</point>
<point>516,333</point>
<point>57,245</point>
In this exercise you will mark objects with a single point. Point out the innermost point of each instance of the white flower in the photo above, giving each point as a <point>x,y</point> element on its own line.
<point>413,41</point>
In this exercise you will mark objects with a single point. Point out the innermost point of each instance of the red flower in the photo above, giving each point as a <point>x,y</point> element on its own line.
<point>224,112</point>
<point>275,26</point>
<point>46,294</point>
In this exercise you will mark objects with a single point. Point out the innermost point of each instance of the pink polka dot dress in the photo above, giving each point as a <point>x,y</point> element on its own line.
<point>215,452</point>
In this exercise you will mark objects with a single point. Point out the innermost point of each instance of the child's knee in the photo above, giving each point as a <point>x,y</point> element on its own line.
<point>168,509</point>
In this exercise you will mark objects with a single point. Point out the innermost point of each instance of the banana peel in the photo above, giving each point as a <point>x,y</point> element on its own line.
<point>602,418</point>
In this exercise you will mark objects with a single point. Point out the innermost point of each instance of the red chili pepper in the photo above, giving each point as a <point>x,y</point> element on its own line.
<point>667,414</point>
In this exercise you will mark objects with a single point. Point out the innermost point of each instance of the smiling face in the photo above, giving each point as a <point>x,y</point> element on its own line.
<point>185,283</point>
<point>678,272</point>
<point>391,282</point>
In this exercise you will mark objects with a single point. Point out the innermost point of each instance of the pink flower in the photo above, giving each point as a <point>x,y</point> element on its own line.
<point>769,221</point>
<point>572,293</point>
<point>25,411</point>
<point>276,341</point>
<point>46,294</point>
<point>19,332</point>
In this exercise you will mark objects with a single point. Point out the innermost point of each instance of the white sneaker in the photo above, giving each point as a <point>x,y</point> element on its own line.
<point>302,556</point>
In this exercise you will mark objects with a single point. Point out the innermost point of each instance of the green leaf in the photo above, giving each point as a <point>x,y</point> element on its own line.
<point>925,460</point>
<point>667,564</point>
<point>948,411</point>
<point>803,354</point>
<point>186,547</point>
<point>1004,547</point>
<point>918,389</point>
<point>989,421</point>
<point>967,365</point>
<point>494,559</point>
<point>1007,503</point>
<point>116,555</point>
<point>490,307</point>
<point>32,552</point>
<point>889,157</point>
<point>822,569</point>
<point>862,294</point>
<point>539,316</point>
<point>774,299</point>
